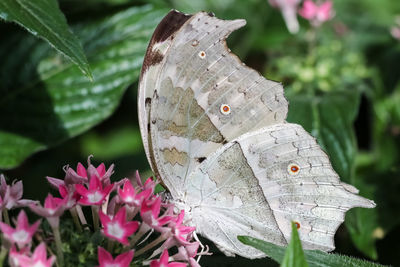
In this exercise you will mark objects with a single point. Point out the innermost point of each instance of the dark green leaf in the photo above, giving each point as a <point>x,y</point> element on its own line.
<point>330,118</point>
<point>47,101</point>
<point>315,258</point>
<point>43,18</point>
<point>294,255</point>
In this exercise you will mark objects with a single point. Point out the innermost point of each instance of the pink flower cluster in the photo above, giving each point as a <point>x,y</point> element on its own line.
<point>316,13</point>
<point>128,215</point>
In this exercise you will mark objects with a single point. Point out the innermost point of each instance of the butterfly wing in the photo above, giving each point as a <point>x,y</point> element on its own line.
<point>204,97</point>
<point>263,181</point>
<point>153,63</point>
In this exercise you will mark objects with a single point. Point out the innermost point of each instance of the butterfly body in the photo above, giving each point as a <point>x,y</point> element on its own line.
<point>214,130</point>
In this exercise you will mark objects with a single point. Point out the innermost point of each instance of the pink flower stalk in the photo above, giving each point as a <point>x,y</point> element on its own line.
<point>317,14</point>
<point>150,211</point>
<point>23,232</point>
<point>164,261</point>
<point>289,12</point>
<point>118,228</point>
<point>38,259</point>
<point>129,196</point>
<point>106,259</point>
<point>95,195</point>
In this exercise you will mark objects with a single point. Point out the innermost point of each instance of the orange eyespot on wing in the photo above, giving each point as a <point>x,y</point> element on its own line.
<point>202,54</point>
<point>293,169</point>
<point>225,109</point>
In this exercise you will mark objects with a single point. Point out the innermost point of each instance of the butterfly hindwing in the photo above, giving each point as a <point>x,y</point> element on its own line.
<point>248,188</point>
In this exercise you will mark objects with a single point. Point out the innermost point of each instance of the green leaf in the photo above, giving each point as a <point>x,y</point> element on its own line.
<point>43,18</point>
<point>314,258</point>
<point>294,255</point>
<point>330,118</point>
<point>47,101</point>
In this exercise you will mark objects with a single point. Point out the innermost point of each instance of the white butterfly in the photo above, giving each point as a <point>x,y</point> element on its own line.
<point>214,130</point>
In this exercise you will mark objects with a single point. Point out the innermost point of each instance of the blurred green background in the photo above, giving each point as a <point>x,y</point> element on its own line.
<point>342,81</point>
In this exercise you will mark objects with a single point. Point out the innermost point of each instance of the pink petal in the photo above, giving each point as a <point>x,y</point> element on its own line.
<point>55,182</point>
<point>104,218</point>
<point>6,229</point>
<point>22,221</point>
<point>131,227</point>
<point>40,253</point>
<point>101,169</point>
<point>81,170</point>
<point>124,259</point>
<point>81,189</point>
<point>164,257</point>
<point>104,256</point>
<point>120,216</point>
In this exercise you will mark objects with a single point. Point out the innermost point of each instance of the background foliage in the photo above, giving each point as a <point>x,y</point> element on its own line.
<point>342,82</point>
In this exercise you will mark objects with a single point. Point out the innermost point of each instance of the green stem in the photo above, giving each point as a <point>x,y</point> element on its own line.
<point>57,238</point>
<point>95,216</point>
<point>110,245</point>
<point>3,254</point>
<point>6,217</point>
<point>151,245</point>
<point>75,218</point>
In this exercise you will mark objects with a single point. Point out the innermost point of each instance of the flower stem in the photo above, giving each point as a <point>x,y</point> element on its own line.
<point>3,254</point>
<point>95,216</point>
<point>81,215</point>
<point>144,228</point>
<point>75,218</point>
<point>6,216</point>
<point>110,245</point>
<point>57,238</point>
<point>151,245</point>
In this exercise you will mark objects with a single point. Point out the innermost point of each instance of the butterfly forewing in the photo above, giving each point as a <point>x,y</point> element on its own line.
<point>205,97</point>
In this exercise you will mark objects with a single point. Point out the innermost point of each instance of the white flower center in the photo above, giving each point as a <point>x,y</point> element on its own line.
<point>112,265</point>
<point>116,230</point>
<point>20,236</point>
<point>129,199</point>
<point>95,197</point>
<point>39,264</point>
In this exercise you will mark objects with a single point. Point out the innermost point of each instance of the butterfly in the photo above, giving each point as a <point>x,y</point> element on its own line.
<point>215,132</point>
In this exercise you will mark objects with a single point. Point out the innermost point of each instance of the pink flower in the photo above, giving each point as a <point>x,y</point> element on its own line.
<point>11,195</point>
<point>129,196</point>
<point>163,262</point>
<point>395,30</point>
<point>150,211</point>
<point>289,12</point>
<point>118,228</point>
<point>70,197</point>
<point>317,14</point>
<point>53,207</point>
<point>52,210</point>
<point>38,259</point>
<point>95,195</point>
<point>14,255</point>
<point>180,231</point>
<point>23,232</point>
<point>106,259</point>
